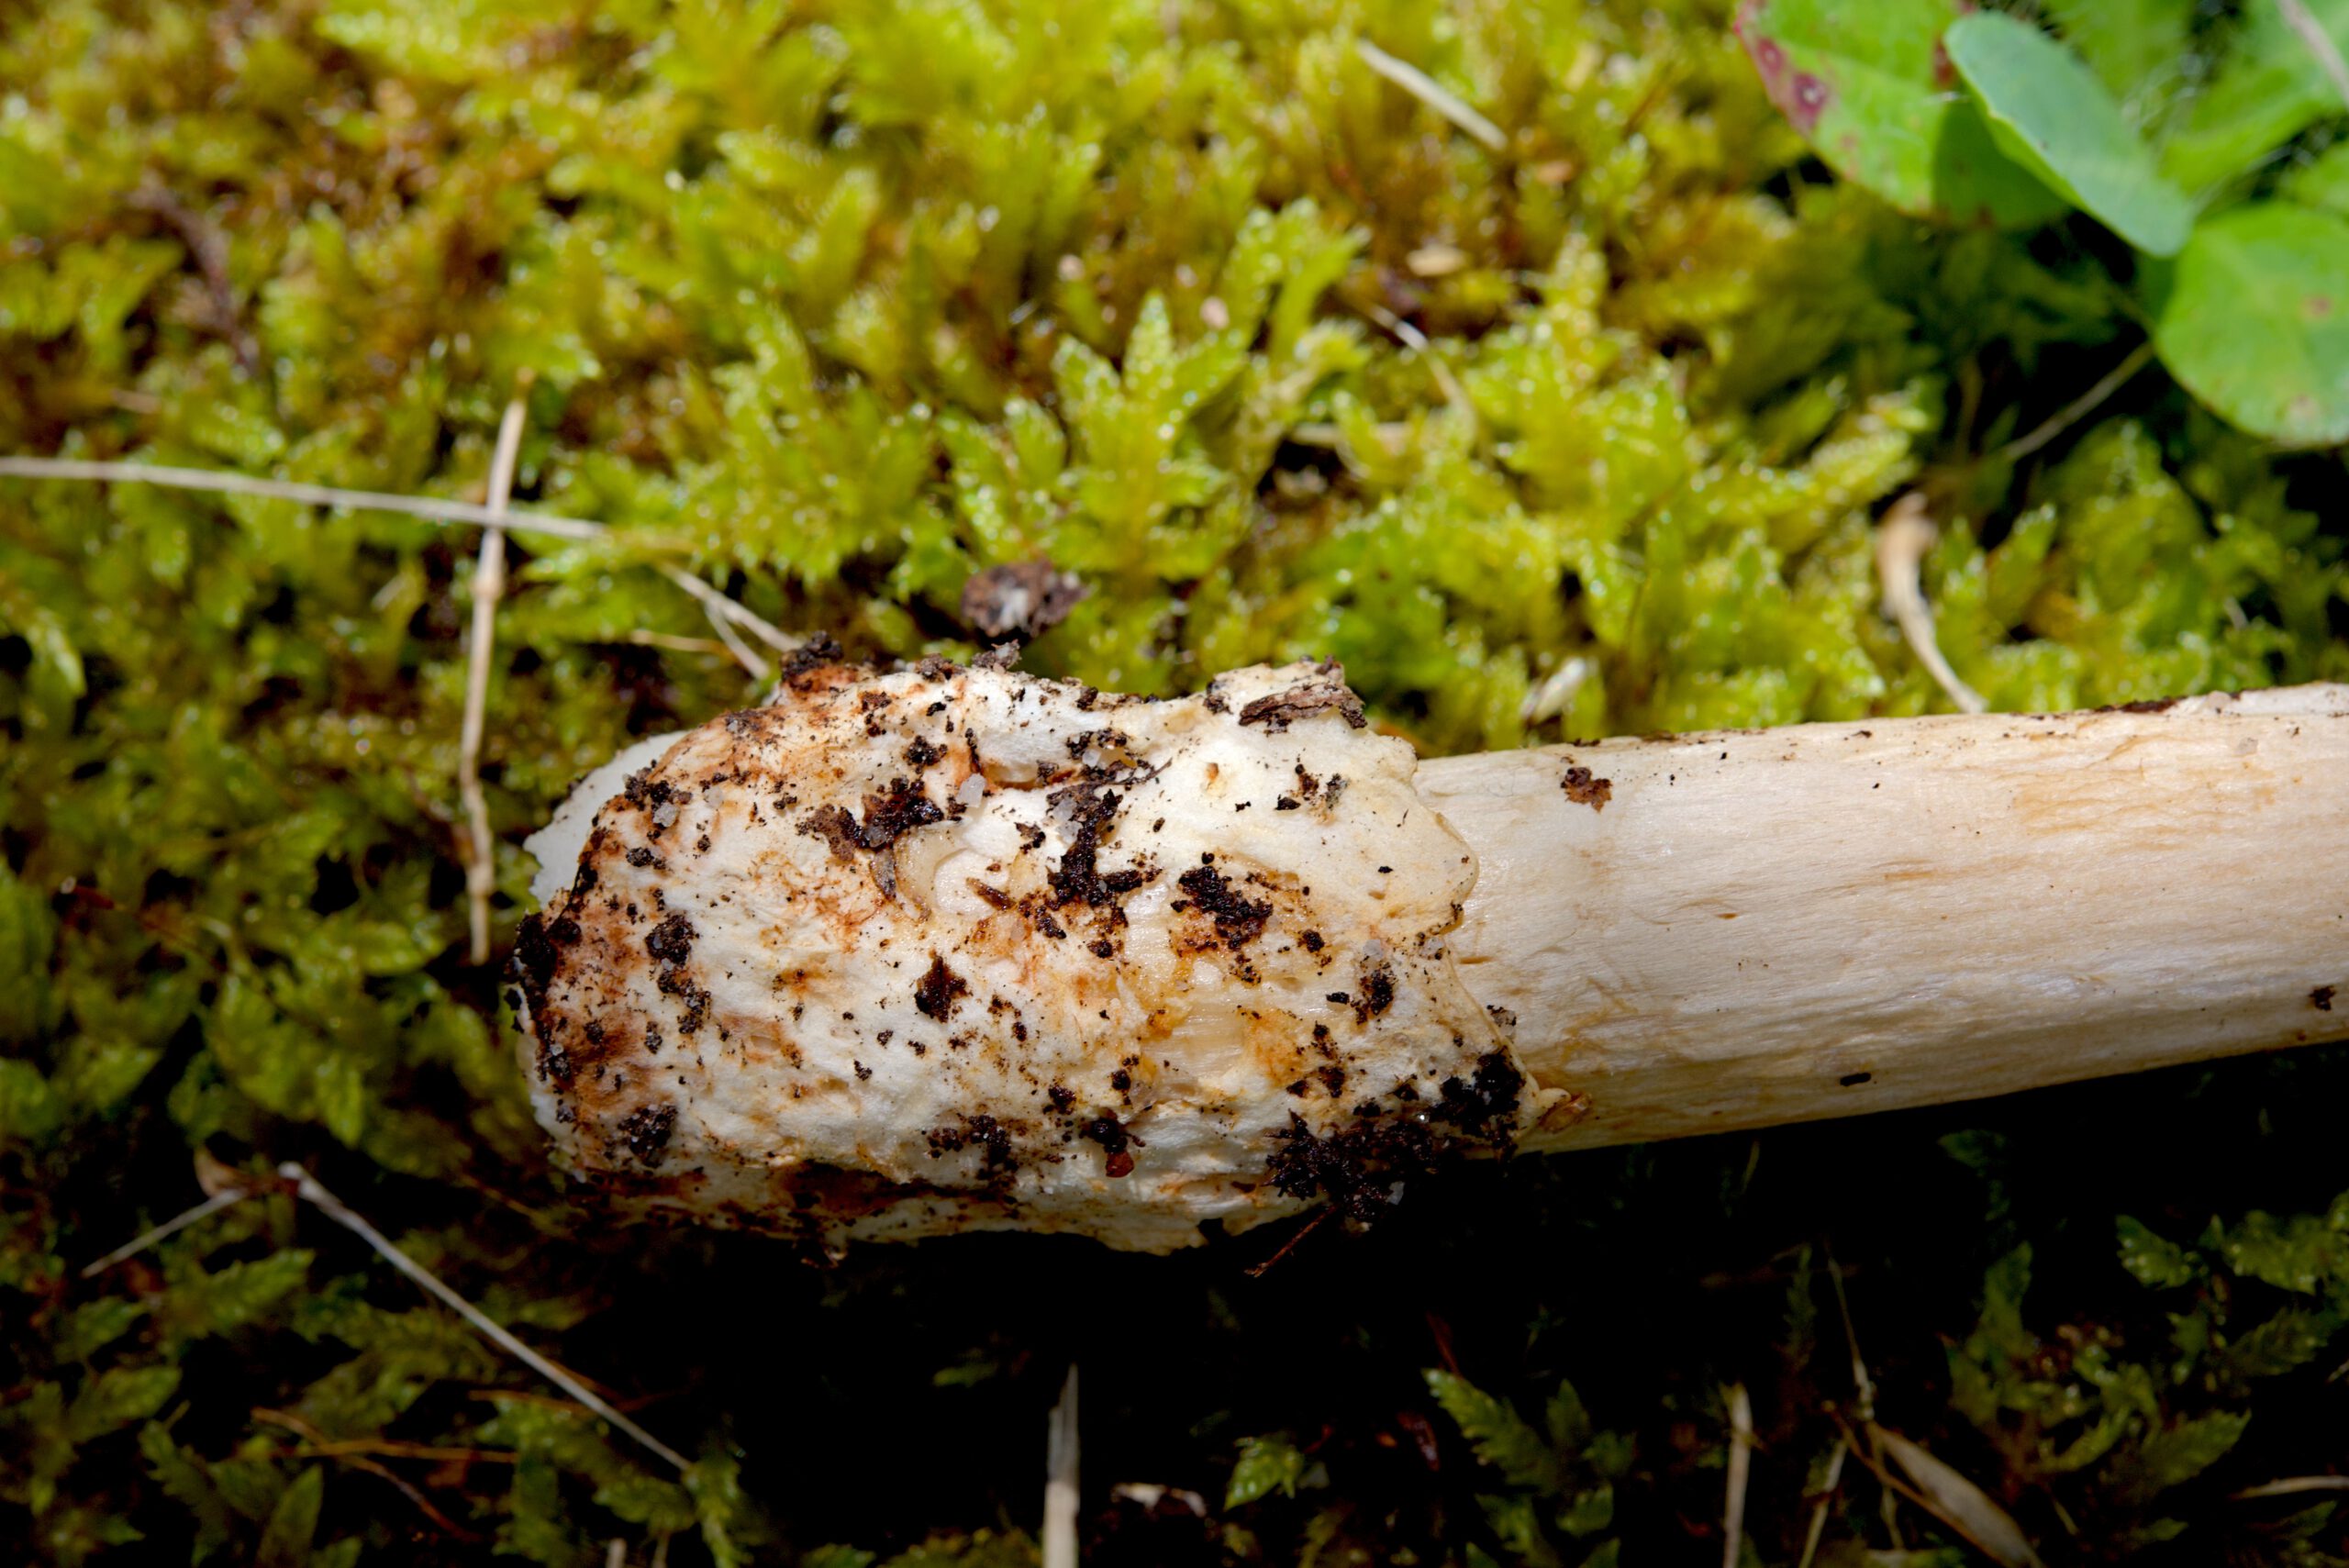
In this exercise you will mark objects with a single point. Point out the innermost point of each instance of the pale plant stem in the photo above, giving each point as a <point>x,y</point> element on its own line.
<point>1059,1546</point>
<point>724,614</point>
<point>308,1187</point>
<point>2087,403</point>
<point>1901,541</point>
<point>171,1227</point>
<point>1864,1401</point>
<point>1432,93</point>
<point>428,507</point>
<point>732,640</point>
<point>489,585</point>
<point>675,644</point>
<point>1826,1499</point>
<point>2304,22</point>
<point>2291,1486</point>
<point>1741,1470</point>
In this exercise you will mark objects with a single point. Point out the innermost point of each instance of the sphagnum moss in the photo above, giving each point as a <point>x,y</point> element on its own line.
<point>855,299</point>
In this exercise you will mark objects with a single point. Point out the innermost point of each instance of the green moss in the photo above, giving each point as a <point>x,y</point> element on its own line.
<point>835,304</point>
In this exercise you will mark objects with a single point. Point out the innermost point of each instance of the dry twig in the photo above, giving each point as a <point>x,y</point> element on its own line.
<point>308,1187</point>
<point>354,1456</point>
<point>1432,93</point>
<point>172,1226</point>
<point>489,584</point>
<point>431,508</point>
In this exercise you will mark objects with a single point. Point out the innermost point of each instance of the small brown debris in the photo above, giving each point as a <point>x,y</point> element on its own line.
<point>1024,599</point>
<point>1330,694</point>
<point>1583,788</point>
<point>1002,656</point>
<point>671,942</point>
<point>2322,997</point>
<point>646,1130</point>
<point>940,989</point>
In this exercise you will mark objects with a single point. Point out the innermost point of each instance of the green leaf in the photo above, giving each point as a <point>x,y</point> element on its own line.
<point>230,1299</point>
<point>285,1542</point>
<point>662,1506</point>
<point>728,1528</point>
<point>1514,1519</point>
<point>1865,82</point>
<point>1567,1420</point>
<point>2154,1261</point>
<point>94,1324</point>
<point>1502,1437</point>
<point>1267,1464</point>
<point>2254,320</point>
<point>2290,1339</point>
<point>29,1109</point>
<point>2185,1450</point>
<point>1590,1511</point>
<point>117,1398</point>
<point>2049,112</point>
<point>2300,1252</point>
<point>185,1479</point>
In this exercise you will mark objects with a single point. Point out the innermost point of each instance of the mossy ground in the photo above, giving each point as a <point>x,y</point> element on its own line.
<point>834,304</point>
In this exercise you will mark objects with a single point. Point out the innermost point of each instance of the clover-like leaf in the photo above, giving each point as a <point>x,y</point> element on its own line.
<point>2254,320</point>
<point>1866,83</point>
<point>2049,112</point>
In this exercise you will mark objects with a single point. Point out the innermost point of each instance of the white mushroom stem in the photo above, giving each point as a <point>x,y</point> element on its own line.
<point>912,952</point>
<point>1780,925</point>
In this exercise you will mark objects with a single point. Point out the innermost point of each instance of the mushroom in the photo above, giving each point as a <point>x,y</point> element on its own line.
<point>930,950</point>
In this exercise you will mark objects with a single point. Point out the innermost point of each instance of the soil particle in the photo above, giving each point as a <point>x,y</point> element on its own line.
<point>1238,920</point>
<point>647,1129</point>
<point>1114,1139</point>
<point>1079,879</point>
<point>1024,599</point>
<point>1488,1103</point>
<point>835,826</point>
<point>1585,789</point>
<point>940,989</point>
<point>671,942</point>
<point>896,811</point>
<point>818,652</point>
<point>2322,997</point>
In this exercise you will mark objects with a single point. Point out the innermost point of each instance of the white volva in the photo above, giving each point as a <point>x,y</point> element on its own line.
<point>942,950</point>
<point>952,949</point>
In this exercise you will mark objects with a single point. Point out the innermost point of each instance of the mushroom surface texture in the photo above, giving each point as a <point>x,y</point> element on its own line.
<point>943,949</point>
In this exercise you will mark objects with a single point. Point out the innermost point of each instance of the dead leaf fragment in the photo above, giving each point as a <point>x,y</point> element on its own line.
<point>1023,599</point>
<point>1959,1503</point>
